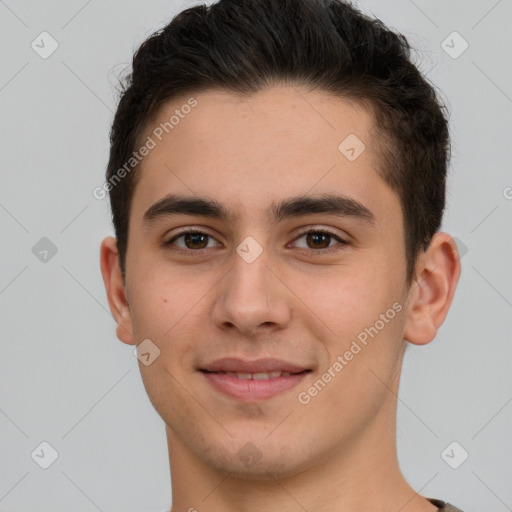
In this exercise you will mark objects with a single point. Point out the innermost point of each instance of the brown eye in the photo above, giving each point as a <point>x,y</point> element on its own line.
<point>193,240</point>
<point>318,240</point>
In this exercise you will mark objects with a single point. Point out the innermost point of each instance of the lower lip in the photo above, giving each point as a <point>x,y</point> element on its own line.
<point>251,389</point>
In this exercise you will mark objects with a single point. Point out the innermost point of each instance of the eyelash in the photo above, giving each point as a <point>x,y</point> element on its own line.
<point>307,232</point>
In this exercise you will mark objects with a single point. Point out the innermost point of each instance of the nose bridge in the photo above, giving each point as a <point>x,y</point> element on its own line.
<point>251,297</point>
<point>249,279</point>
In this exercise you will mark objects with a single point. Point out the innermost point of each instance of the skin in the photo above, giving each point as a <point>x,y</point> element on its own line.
<point>338,452</point>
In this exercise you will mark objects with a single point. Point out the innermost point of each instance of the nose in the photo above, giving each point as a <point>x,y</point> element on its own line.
<point>252,298</point>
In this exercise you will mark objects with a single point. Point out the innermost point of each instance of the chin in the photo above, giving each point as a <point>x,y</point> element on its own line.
<point>258,460</point>
<point>263,470</point>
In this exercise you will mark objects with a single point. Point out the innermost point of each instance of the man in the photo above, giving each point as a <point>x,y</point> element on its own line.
<point>277,181</point>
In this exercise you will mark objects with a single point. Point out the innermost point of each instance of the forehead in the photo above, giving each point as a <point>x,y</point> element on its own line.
<point>247,151</point>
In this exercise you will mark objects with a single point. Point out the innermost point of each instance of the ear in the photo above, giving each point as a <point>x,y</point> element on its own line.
<point>431,294</point>
<point>115,288</point>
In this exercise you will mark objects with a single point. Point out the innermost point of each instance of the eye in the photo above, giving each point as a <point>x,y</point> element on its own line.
<point>193,239</point>
<point>320,240</point>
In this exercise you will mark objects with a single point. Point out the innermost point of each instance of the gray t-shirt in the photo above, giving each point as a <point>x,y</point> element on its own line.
<point>443,506</point>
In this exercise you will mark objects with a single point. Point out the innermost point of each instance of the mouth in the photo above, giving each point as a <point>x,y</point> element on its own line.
<point>251,381</point>
<point>257,375</point>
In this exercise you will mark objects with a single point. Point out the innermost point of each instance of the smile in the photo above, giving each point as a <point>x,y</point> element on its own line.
<point>250,387</point>
<point>257,376</point>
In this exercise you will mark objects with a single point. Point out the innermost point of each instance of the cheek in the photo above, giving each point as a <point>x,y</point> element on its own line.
<point>363,348</point>
<point>359,317</point>
<point>170,308</point>
<point>153,312</point>
<point>345,300</point>
<point>161,298</point>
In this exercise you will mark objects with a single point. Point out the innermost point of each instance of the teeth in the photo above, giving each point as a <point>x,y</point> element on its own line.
<point>261,376</point>
<point>258,375</point>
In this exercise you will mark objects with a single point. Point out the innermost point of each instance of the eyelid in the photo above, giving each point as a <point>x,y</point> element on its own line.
<point>320,229</point>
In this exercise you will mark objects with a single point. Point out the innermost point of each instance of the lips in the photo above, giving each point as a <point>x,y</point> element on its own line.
<point>233,364</point>
<point>256,375</point>
<point>253,380</point>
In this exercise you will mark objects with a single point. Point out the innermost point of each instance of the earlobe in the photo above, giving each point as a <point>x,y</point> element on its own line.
<point>116,293</point>
<point>430,296</point>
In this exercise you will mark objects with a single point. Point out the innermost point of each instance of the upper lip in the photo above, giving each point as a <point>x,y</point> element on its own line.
<point>234,364</point>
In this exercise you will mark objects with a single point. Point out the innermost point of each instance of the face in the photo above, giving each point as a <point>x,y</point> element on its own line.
<point>316,289</point>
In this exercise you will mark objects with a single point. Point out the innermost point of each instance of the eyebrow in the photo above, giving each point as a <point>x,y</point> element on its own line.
<point>289,208</point>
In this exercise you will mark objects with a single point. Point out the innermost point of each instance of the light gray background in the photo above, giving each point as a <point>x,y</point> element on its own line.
<point>67,380</point>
